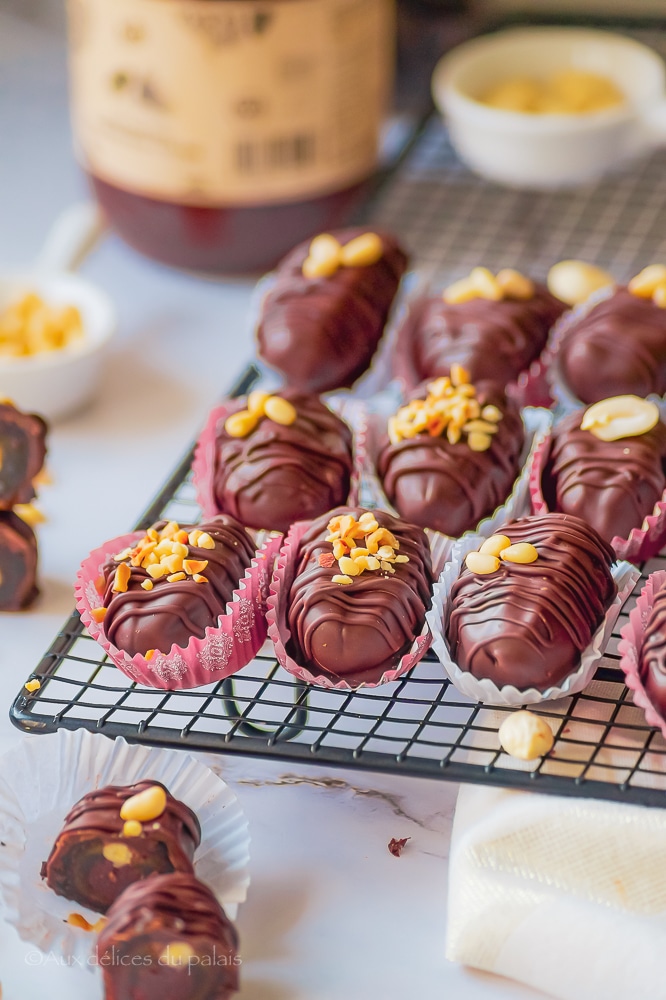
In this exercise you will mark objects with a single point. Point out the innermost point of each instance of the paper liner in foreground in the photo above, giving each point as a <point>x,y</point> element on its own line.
<point>42,778</point>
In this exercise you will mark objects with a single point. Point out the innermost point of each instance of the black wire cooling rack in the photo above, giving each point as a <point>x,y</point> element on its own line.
<point>419,725</point>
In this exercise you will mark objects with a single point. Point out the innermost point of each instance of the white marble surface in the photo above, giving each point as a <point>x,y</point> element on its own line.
<point>331,913</point>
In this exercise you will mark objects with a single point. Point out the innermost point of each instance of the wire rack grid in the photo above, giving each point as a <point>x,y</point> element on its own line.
<point>419,725</point>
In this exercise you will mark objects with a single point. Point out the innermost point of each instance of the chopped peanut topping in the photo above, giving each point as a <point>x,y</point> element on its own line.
<point>326,255</point>
<point>163,555</point>
<point>377,551</point>
<point>483,284</point>
<point>33,685</point>
<point>27,511</point>
<point>98,614</point>
<point>150,653</point>
<point>650,283</point>
<point>121,578</point>
<point>32,326</point>
<point>497,549</point>
<point>450,408</point>
<point>146,805</point>
<point>620,417</point>
<point>260,404</point>
<point>179,953</point>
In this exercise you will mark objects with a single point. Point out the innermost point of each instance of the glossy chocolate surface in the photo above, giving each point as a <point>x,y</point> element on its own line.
<point>139,620</point>
<point>618,348</point>
<point>168,938</point>
<point>527,624</point>
<point>281,474</point>
<point>22,453</point>
<point>612,485</point>
<point>493,341</point>
<point>77,868</point>
<point>321,333</point>
<point>652,657</point>
<point>449,487</point>
<point>18,563</point>
<point>359,630</point>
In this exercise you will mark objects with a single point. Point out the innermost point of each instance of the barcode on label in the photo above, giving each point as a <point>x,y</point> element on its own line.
<point>281,153</point>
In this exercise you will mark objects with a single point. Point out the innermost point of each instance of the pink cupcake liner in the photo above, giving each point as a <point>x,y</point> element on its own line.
<point>224,650</point>
<point>630,645</point>
<point>642,543</point>
<point>537,422</point>
<point>280,634</point>
<point>484,689</point>
<point>203,464</point>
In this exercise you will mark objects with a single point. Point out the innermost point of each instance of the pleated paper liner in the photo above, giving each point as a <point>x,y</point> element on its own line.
<point>349,410</point>
<point>487,691</point>
<point>225,648</point>
<point>643,542</point>
<point>280,635</point>
<point>630,648</point>
<point>42,778</point>
<point>537,422</point>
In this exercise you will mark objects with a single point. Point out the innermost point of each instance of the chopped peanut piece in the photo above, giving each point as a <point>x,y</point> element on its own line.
<point>362,251</point>
<point>487,283</point>
<point>515,285</point>
<point>33,685</point>
<point>256,401</point>
<point>147,585</point>
<point>525,735</point>
<point>176,954</point>
<point>522,552</point>
<point>280,411</point>
<point>146,805</point>
<point>176,577</point>
<point>240,424</point>
<point>479,442</point>
<point>646,282</point>
<point>198,578</point>
<point>461,291</point>
<point>338,578</point>
<point>573,281</point>
<point>150,653</point>
<point>118,854</point>
<point>494,545</point>
<point>192,566</point>
<point>205,541</point>
<point>132,828</point>
<point>476,562</point>
<point>121,578</point>
<point>620,417</point>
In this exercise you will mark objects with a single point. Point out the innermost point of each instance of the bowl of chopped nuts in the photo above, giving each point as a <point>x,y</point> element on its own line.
<point>54,329</point>
<point>549,107</point>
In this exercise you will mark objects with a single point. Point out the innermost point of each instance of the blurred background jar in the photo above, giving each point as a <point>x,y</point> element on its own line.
<point>219,133</point>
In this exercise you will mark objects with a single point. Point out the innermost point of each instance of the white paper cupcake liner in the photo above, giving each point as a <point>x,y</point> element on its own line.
<point>485,690</point>
<point>630,645</point>
<point>277,615</point>
<point>44,776</point>
<point>537,422</point>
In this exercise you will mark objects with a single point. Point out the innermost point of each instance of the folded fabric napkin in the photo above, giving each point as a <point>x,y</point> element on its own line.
<point>565,894</point>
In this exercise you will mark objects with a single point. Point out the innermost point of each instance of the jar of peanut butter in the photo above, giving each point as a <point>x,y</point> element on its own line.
<point>219,133</point>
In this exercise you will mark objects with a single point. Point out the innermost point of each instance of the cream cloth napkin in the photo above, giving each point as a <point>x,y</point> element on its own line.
<point>567,895</point>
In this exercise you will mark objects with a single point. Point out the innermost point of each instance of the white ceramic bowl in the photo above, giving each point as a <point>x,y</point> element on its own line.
<point>548,151</point>
<point>58,383</point>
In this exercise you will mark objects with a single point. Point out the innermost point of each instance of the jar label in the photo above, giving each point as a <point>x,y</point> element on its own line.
<point>230,102</point>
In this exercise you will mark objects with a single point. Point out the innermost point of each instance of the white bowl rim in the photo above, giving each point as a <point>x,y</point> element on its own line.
<point>449,96</point>
<point>96,336</point>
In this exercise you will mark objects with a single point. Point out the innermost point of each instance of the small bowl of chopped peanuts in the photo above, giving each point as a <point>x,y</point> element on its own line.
<point>548,107</point>
<point>54,329</point>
